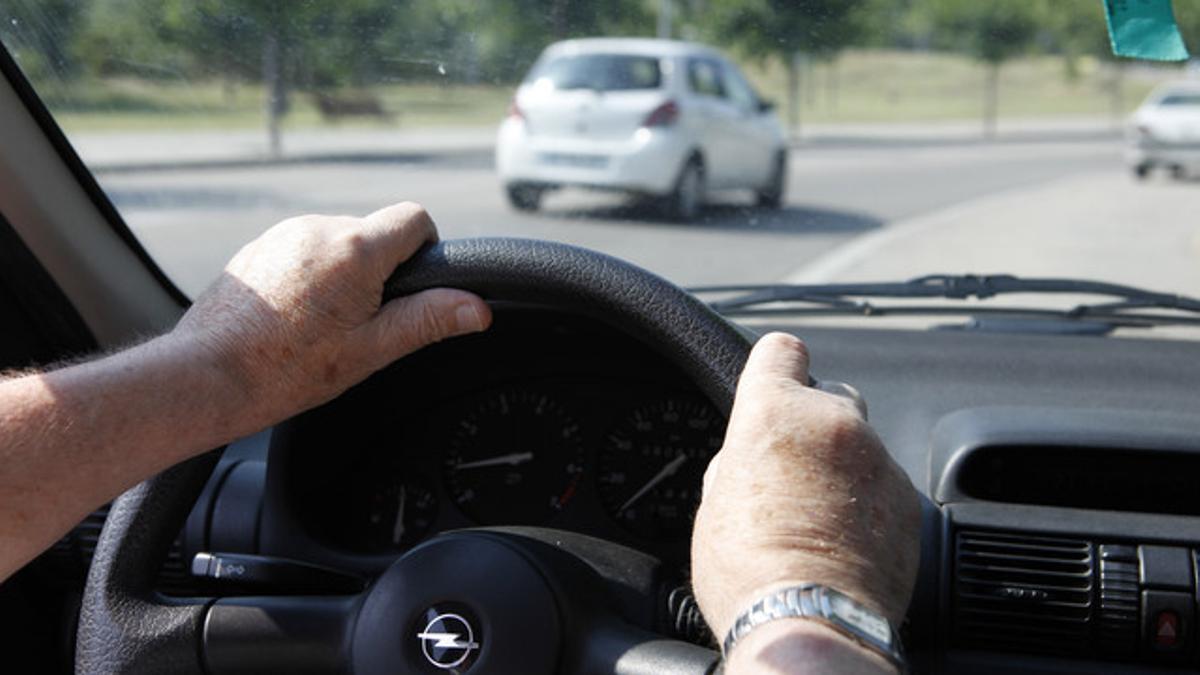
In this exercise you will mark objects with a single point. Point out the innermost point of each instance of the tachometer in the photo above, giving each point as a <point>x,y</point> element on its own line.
<point>514,457</point>
<point>652,464</point>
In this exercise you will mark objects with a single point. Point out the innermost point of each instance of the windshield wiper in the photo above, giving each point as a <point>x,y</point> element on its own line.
<point>850,298</point>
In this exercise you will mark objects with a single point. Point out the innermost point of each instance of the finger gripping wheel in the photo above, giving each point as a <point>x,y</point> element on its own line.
<point>125,627</point>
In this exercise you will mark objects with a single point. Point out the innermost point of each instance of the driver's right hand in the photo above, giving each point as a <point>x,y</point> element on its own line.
<point>802,491</point>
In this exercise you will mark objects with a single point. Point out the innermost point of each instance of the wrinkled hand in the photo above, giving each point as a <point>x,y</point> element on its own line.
<point>802,491</point>
<point>295,319</point>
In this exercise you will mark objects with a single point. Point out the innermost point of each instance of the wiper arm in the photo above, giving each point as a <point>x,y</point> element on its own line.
<point>958,287</point>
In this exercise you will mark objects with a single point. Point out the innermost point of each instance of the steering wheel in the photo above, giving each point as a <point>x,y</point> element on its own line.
<point>479,601</point>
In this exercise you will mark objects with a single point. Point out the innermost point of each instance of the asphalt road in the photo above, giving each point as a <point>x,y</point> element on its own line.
<point>192,220</point>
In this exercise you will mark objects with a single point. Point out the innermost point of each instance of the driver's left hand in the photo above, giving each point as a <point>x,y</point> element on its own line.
<point>296,317</point>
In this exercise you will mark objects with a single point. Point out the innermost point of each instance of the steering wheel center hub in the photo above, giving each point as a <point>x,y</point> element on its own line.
<point>462,603</point>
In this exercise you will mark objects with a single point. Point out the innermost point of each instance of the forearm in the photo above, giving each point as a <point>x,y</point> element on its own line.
<point>74,438</point>
<point>791,646</point>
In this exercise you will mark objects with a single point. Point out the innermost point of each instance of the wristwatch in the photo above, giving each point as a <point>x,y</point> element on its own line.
<point>828,606</point>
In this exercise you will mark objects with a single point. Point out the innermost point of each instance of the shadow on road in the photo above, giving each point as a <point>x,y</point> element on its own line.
<point>789,219</point>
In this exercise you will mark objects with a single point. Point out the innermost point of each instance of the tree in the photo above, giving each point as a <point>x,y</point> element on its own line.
<point>992,32</point>
<point>788,31</point>
<point>40,34</point>
<point>1077,29</point>
<point>1187,15</point>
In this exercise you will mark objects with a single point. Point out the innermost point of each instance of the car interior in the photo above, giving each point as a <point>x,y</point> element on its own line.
<point>1061,519</point>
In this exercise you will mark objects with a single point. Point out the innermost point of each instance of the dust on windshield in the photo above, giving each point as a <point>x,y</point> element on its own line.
<point>711,141</point>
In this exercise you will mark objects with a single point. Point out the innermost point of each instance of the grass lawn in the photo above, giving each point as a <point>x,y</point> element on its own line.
<point>884,86</point>
<point>125,105</point>
<point>863,86</point>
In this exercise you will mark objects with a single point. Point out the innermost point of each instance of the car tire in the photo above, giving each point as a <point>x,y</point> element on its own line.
<point>687,199</point>
<point>524,197</point>
<point>1141,171</point>
<point>771,195</point>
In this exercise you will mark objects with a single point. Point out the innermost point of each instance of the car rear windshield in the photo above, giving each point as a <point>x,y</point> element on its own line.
<point>600,72</point>
<point>1190,99</point>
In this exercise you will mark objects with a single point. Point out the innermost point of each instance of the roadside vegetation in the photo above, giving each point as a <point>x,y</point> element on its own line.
<point>862,86</point>
<point>282,64</point>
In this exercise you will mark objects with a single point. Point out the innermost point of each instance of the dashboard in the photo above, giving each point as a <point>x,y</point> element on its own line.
<point>547,420</point>
<point>1061,528</point>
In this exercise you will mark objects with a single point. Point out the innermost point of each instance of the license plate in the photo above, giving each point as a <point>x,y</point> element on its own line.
<point>574,160</point>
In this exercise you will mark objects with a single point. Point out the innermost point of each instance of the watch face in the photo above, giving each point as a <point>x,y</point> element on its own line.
<point>859,618</point>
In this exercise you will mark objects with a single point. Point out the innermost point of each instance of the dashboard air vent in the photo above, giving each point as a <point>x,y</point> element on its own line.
<point>1016,592</point>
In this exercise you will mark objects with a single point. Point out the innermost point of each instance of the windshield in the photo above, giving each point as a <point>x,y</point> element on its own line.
<point>711,141</point>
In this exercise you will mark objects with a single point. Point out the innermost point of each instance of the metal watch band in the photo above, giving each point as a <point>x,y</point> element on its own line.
<point>829,606</point>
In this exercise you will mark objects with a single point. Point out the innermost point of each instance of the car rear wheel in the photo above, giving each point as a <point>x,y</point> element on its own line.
<point>524,197</point>
<point>771,195</point>
<point>687,200</point>
<point>1141,171</point>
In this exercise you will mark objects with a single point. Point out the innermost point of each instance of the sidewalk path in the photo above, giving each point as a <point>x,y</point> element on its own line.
<point>147,150</point>
<point>1011,130</point>
<point>131,151</point>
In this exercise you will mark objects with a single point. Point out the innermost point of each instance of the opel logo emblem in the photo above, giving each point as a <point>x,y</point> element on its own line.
<point>448,641</point>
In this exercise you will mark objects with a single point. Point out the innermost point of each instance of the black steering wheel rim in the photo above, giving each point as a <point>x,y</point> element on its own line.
<point>125,626</point>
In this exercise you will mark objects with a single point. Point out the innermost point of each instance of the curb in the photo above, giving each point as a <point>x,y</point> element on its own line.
<point>351,157</point>
<point>916,140</point>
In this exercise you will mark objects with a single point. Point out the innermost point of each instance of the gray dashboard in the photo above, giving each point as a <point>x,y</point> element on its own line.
<point>1094,567</point>
<point>912,379</point>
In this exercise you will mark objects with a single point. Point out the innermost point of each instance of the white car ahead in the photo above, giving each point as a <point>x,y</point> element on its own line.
<point>1165,131</point>
<point>654,117</point>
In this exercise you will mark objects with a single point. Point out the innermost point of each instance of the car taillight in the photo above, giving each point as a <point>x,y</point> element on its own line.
<point>1144,130</point>
<point>514,110</point>
<point>663,116</point>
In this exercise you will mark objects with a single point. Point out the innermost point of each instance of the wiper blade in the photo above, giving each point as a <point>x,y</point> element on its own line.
<point>841,298</point>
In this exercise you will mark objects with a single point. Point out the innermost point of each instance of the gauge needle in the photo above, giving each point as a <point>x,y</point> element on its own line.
<point>511,459</point>
<point>398,527</point>
<point>663,474</point>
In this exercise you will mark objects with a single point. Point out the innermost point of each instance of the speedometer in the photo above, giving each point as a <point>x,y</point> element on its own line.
<point>652,464</point>
<point>514,457</point>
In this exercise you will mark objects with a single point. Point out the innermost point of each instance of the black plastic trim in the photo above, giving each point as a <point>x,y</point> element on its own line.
<point>54,134</point>
<point>47,315</point>
<point>957,435</point>
<point>1076,523</point>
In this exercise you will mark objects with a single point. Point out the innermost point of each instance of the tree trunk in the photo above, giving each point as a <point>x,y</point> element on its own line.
<point>664,19</point>
<point>1116,94</point>
<point>558,19</point>
<point>276,92</point>
<point>793,88</point>
<point>991,98</point>
<point>832,84</point>
<point>811,83</point>
<point>228,88</point>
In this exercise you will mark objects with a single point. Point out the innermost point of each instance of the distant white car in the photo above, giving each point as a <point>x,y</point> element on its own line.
<point>656,117</point>
<point>1165,131</point>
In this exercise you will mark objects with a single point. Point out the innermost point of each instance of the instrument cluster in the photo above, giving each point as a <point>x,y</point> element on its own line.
<point>545,420</point>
